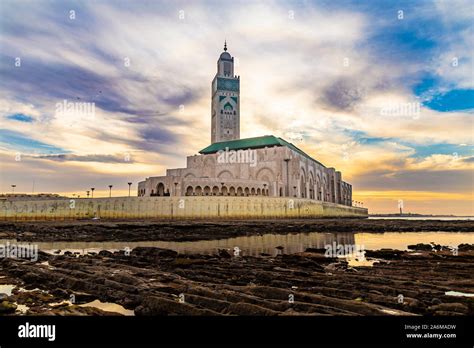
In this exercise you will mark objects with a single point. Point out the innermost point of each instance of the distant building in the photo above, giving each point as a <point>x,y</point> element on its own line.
<point>261,166</point>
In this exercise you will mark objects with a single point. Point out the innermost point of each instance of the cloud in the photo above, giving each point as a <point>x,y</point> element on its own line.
<point>469,159</point>
<point>319,73</point>
<point>124,159</point>
<point>343,95</point>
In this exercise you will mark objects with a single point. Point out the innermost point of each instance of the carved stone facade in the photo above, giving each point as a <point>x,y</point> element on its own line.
<point>278,172</point>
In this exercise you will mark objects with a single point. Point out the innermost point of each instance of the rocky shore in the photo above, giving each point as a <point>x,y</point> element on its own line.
<point>100,230</point>
<point>154,281</point>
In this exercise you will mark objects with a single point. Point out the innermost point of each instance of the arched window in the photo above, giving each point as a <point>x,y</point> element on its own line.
<point>189,191</point>
<point>160,189</point>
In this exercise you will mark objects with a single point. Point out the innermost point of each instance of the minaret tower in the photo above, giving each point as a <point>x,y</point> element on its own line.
<point>225,107</point>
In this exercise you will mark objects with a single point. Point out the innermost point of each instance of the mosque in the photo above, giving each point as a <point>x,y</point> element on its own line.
<point>261,166</point>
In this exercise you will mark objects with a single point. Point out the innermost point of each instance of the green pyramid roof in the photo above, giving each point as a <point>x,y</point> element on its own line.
<point>253,143</point>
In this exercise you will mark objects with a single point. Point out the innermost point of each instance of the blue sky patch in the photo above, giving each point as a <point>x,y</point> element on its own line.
<point>20,117</point>
<point>454,100</point>
<point>422,151</point>
<point>19,142</point>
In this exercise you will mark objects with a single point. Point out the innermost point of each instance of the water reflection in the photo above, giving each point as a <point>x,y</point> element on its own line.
<point>248,245</point>
<point>268,243</point>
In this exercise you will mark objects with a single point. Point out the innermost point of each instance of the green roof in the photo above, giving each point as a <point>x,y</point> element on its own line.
<point>254,143</point>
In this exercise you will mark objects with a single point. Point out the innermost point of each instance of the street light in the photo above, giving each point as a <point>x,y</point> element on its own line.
<point>110,190</point>
<point>129,185</point>
<point>13,188</point>
<point>92,191</point>
<point>87,193</point>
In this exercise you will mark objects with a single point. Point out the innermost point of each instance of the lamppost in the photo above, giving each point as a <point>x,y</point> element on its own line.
<point>129,185</point>
<point>175,188</point>
<point>92,192</point>
<point>110,190</point>
<point>294,190</point>
<point>13,188</point>
<point>87,194</point>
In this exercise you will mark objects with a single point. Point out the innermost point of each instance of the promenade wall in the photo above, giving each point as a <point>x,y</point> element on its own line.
<point>187,207</point>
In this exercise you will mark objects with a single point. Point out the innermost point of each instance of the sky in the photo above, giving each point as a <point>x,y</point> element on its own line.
<point>381,90</point>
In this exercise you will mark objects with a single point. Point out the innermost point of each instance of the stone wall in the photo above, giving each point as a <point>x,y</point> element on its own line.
<point>174,208</point>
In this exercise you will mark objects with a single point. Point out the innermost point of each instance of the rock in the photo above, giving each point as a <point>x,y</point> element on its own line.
<point>154,305</point>
<point>224,254</point>
<point>152,252</point>
<point>420,246</point>
<point>7,307</point>
<point>60,293</point>
<point>465,247</point>
<point>452,308</point>
<point>388,254</point>
<point>83,297</point>
<point>248,309</point>
<point>315,250</point>
<point>105,253</point>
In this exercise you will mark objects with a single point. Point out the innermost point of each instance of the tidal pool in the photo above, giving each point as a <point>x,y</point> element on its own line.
<point>273,244</point>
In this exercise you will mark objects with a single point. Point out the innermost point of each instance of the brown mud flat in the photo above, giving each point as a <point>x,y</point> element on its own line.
<point>154,281</point>
<point>102,230</point>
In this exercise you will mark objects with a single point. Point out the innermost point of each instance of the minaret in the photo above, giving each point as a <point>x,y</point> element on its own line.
<point>225,106</point>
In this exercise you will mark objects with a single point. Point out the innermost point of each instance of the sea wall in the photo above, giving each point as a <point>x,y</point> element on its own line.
<point>187,207</point>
